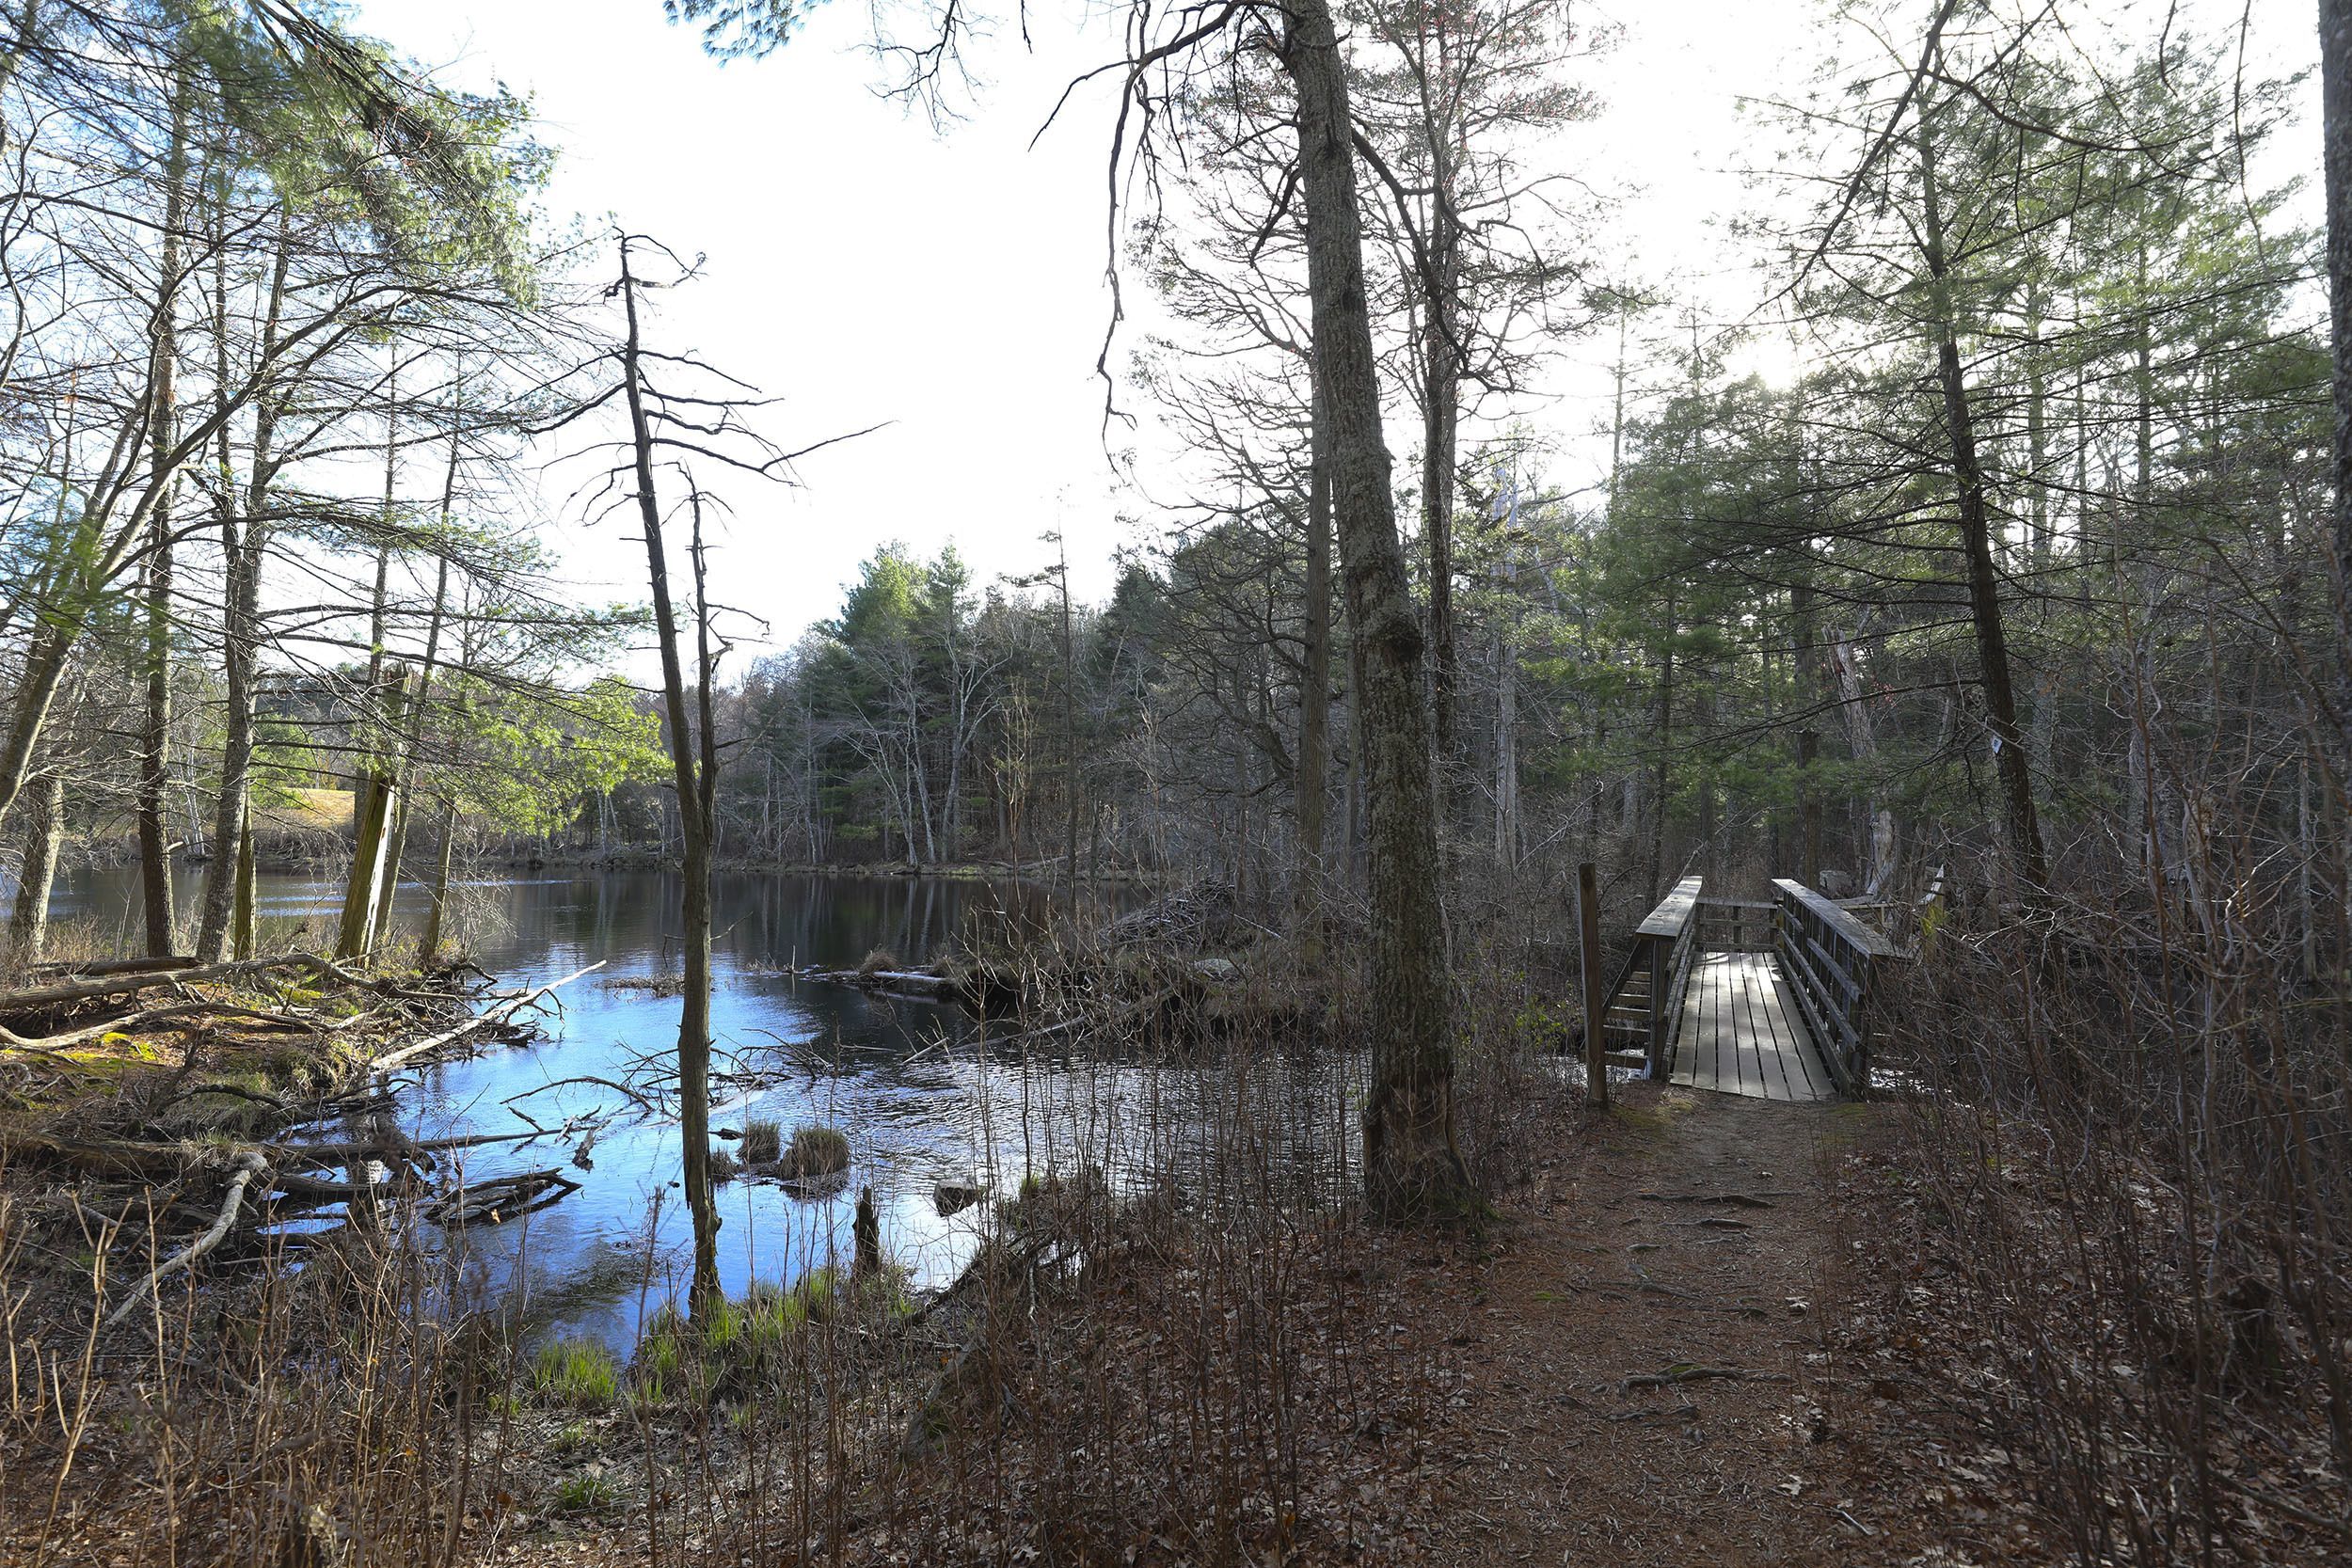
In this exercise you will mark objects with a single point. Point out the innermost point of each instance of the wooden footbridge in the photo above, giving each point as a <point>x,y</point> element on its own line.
<point>1765,998</point>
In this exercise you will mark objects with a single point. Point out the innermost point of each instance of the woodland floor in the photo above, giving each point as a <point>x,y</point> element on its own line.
<point>1701,1233</point>
<point>1672,1347</point>
<point>1683,1237</point>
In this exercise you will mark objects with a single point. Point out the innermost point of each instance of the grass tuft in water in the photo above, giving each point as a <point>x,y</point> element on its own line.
<point>817,1151</point>
<point>762,1140</point>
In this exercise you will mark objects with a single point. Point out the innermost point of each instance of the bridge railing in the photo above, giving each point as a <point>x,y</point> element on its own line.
<point>1645,998</point>
<point>1830,960</point>
<point>1736,924</point>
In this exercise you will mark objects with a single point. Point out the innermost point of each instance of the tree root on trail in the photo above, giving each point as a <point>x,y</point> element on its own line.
<point>1689,1372</point>
<point>1729,1200</point>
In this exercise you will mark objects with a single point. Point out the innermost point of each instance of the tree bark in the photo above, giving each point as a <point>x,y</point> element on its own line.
<point>154,776</point>
<point>1441,419</point>
<point>2335,81</point>
<point>44,831</point>
<point>1805,627</point>
<point>1314,685</point>
<point>1411,1165</point>
<point>1976,531</point>
<point>695,783</point>
<point>242,541</point>
<point>1661,778</point>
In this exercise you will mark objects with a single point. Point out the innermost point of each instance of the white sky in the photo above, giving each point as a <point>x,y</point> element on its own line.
<point>864,268</point>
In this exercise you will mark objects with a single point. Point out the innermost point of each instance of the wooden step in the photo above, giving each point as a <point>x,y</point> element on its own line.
<point>1637,1060</point>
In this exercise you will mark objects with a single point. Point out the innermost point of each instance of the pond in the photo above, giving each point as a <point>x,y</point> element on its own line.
<point>920,1094</point>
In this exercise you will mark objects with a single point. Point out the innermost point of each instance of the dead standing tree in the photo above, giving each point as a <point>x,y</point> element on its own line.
<point>1411,1163</point>
<point>680,411</point>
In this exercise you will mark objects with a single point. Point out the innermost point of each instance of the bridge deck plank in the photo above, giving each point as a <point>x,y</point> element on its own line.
<point>1743,1034</point>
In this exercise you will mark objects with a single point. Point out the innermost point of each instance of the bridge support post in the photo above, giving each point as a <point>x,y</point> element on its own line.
<point>1588,947</point>
<point>1660,975</point>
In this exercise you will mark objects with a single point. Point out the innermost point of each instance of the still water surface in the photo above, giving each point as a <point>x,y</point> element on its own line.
<point>911,1083</point>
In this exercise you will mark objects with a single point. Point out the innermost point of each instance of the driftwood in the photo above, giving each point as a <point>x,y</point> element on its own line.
<point>501,1197</point>
<point>320,1187</point>
<point>250,1166</point>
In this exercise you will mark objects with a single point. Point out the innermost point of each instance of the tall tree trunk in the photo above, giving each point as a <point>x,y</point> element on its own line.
<point>242,541</point>
<point>240,904</point>
<point>1976,530</point>
<point>1440,420</point>
<point>695,780</point>
<point>154,778</point>
<point>1804,628</point>
<point>1661,779</point>
<point>437,905</point>
<point>1862,741</point>
<point>2335,78</point>
<point>44,831</point>
<point>412,739</point>
<point>1068,719</point>
<point>1314,687</point>
<point>1411,1163</point>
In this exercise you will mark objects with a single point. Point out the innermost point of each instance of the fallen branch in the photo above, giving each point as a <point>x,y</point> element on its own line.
<point>99,1156</point>
<point>489,1018</point>
<point>250,1166</point>
<point>343,1154</point>
<point>315,1186</point>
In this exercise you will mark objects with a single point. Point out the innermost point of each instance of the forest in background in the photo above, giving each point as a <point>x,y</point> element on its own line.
<point>1771,646</point>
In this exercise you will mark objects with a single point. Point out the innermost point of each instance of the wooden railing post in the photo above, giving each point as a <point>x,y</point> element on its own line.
<point>1595,1004</point>
<point>1660,975</point>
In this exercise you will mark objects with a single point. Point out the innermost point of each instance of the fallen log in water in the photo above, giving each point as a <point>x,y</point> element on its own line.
<point>500,1198</point>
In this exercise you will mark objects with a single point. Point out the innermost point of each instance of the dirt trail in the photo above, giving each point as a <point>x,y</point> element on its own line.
<point>1638,1364</point>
